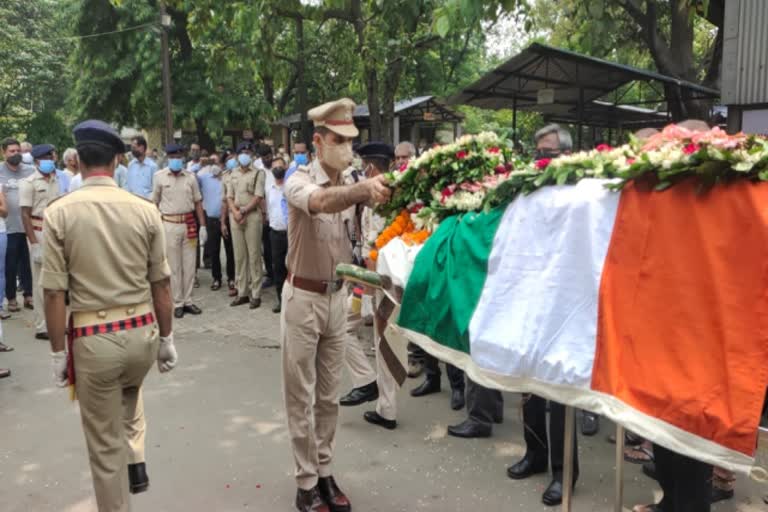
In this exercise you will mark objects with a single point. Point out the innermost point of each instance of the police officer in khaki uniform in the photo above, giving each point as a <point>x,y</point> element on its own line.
<point>245,195</point>
<point>230,163</point>
<point>35,193</point>
<point>177,194</point>
<point>313,321</point>
<point>106,247</point>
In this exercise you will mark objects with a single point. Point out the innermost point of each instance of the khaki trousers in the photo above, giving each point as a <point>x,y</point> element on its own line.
<point>313,337</point>
<point>354,357</point>
<point>110,369</point>
<point>37,289</point>
<point>182,255</point>
<point>246,242</point>
<point>386,405</point>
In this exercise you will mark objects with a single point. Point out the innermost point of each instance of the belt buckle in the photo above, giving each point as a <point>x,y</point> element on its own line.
<point>332,287</point>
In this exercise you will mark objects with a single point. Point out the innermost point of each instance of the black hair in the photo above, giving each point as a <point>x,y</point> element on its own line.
<point>278,158</point>
<point>381,164</point>
<point>95,155</point>
<point>140,140</point>
<point>265,150</point>
<point>10,142</point>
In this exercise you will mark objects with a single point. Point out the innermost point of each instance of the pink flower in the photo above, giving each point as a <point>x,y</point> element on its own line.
<point>493,150</point>
<point>543,163</point>
<point>471,186</point>
<point>404,166</point>
<point>630,161</point>
<point>603,147</point>
<point>416,208</point>
<point>447,192</point>
<point>690,149</point>
<point>461,155</point>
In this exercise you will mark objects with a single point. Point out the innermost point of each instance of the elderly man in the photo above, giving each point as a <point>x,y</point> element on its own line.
<point>313,322</point>
<point>551,141</point>
<point>71,166</point>
<point>403,153</point>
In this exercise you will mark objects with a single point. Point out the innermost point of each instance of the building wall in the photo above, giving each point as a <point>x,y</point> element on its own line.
<point>745,53</point>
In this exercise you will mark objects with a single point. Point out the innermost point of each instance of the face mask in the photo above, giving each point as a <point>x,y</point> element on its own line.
<point>301,159</point>
<point>27,158</point>
<point>14,160</point>
<point>136,153</point>
<point>46,166</point>
<point>195,167</point>
<point>245,160</point>
<point>231,163</point>
<point>194,155</point>
<point>278,173</point>
<point>175,164</point>
<point>338,156</point>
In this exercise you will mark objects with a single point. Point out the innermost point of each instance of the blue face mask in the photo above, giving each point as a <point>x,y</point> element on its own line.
<point>47,166</point>
<point>245,160</point>
<point>301,159</point>
<point>195,167</point>
<point>175,164</point>
<point>231,163</point>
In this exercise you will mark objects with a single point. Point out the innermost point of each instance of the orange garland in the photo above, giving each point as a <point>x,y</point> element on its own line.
<point>402,227</point>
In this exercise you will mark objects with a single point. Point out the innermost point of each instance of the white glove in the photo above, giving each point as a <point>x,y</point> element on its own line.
<point>166,354</point>
<point>37,253</point>
<point>59,363</point>
<point>203,235</point>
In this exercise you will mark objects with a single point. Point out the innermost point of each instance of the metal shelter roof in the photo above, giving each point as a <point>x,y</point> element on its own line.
<point>585,90</point>
<point>408,109</point>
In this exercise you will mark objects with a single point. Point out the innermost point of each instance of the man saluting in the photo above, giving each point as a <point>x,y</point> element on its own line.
<point>106,247</point>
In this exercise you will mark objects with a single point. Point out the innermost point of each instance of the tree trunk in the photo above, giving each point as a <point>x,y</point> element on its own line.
<point>305,130</point>
<point>203,137</point>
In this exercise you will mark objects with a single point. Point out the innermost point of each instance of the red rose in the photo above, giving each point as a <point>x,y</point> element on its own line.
<point>508,166</point>
<point>500,169</point>
<point>603,147</point>
<point>404,166</point>
<point>493,150</point>
<point>448,191</point>
<point>691,149</point>
<point>416,208</point>
<point>543,163</point>
<point>461,155</point>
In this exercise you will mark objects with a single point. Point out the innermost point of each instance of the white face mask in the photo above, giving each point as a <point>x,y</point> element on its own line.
<point>27,158</point>
<point>337,156</point>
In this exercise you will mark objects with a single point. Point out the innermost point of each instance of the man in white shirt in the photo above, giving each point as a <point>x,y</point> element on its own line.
<point>277,215</point>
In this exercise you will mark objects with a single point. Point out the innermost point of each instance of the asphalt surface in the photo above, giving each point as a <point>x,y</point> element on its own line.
<point>217,439</point>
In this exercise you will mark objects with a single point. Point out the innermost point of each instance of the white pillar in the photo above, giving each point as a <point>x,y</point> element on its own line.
<point>396,130</point>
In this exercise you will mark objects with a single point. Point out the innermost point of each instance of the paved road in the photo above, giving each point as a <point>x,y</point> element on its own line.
<point>217,439</point>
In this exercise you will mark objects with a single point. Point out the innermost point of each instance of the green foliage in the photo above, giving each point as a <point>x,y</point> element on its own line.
<point>47,127</point>
<point>501,122</point>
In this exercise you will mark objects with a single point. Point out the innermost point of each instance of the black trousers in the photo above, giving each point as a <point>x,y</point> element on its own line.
<point>687,483</point>
<point>484,404</point>
<point>213,247</point>
<point>537,444</point>
<point>266,245</point>
<point>17,264</point>
<point>279,244</point>
<point>432,371</point>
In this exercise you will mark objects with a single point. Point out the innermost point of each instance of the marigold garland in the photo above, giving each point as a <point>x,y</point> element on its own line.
<point>401,225</point>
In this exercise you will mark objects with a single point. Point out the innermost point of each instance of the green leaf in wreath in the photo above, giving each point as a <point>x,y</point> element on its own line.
<point>663,185</point>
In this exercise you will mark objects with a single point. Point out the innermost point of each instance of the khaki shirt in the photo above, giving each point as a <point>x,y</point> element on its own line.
<point>37,192</point>
<point>105,245</point>
<point>175,194</point>
<point>245,185</point>
<point>317,242</point>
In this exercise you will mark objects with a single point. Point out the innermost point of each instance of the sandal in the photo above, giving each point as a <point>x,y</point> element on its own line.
<point>4,372</point>
<point>4,315</point>
<point>5,348</point>
<point>654,507</point>
<point>28,304</point>
<point>216,285</point>
<point>13,307</point>
<point>638,454</point>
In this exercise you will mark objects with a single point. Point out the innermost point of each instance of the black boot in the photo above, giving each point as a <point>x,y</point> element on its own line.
<point>137,477</point>
<point>357,396</point>
<point>429,386</point>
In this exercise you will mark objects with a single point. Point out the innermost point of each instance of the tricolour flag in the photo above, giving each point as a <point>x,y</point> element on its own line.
<point>650,308</point>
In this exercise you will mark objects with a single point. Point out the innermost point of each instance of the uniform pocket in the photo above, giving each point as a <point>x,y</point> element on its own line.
<point>327,226</point>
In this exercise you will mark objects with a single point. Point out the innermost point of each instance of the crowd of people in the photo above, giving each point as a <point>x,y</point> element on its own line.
<point>285,221</point>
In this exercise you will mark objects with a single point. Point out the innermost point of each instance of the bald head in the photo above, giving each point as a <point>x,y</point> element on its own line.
<point>694,125</point>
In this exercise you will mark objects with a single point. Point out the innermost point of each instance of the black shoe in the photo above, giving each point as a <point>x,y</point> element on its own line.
<point>42,336</point>
<point>377,419</point>
<point>457,399</point>
<point>255,303</point>
<point>311,501</point>
<point>469,429</point>
<point>720,495</point>
<point>137,478</point>
<point>332,495</point>
<point>178,312</point>
<point>498,418</point>
<point>427,387</point>
<point>192,309</point>
<point>649,470</point>
<point>216,284</point>
<point>553,495</point>
<point>528,466</point>
<point>277,307</point>
<point>590,423</point>
<point>240,301</point>
<point>357,396</point>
